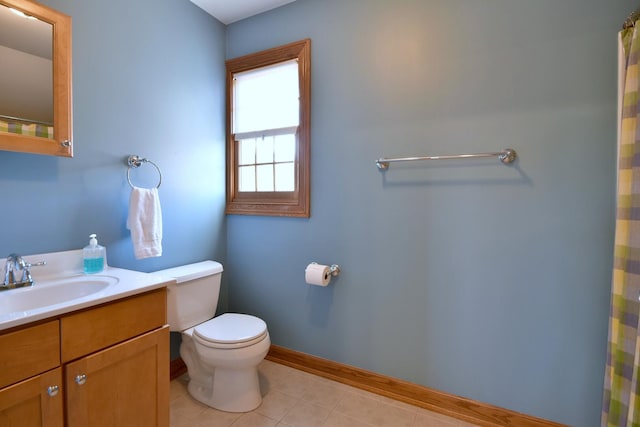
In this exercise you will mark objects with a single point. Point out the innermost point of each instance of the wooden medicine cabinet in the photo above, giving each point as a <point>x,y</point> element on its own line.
<point>36,114</point>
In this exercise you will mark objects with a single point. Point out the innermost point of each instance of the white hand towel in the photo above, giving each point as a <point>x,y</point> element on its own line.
<point>145,222</point>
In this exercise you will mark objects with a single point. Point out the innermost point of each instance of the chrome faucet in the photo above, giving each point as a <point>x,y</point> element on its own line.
<point>12,268</point>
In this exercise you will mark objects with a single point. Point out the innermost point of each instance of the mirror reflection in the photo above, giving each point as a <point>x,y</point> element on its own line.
<point>26,81</point>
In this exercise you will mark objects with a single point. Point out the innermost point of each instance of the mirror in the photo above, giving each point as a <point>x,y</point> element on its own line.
<point>35,56</point>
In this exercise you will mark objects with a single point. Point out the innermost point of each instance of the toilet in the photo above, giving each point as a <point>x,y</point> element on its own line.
<point>222,353</point>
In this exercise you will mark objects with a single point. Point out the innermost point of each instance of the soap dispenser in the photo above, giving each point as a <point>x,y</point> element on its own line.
<point>94,256</point>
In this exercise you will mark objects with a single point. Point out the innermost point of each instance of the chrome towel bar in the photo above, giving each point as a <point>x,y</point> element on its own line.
<point>506,156</point>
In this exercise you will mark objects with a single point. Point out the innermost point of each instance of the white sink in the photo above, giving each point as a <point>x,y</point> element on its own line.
<point>52,292</point>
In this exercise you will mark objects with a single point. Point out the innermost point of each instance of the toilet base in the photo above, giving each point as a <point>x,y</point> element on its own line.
<point>230,391</point>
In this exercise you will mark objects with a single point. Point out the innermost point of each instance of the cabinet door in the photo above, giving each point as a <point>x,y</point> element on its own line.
<point>124,385</point>
<point>36,402</point>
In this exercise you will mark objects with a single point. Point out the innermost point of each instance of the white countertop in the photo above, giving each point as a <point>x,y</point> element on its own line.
<point>67,266</point>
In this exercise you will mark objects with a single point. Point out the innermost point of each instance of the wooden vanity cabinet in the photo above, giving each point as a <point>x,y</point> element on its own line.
<point>103,366</point>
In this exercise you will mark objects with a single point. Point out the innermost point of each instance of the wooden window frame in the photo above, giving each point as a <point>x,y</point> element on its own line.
<point>294,203</point>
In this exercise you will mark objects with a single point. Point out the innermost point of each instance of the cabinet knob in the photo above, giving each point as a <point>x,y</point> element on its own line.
<point>81,379</point>
<point>53,390</point>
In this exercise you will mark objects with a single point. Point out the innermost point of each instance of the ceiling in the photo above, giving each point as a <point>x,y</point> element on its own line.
<point>228,11</point>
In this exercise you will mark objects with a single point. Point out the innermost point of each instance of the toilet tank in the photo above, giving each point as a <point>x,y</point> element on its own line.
<point>194,297</point>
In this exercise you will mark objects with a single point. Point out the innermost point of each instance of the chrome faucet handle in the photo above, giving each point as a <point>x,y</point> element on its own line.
<point>34,264</point>
<point>26,275</point>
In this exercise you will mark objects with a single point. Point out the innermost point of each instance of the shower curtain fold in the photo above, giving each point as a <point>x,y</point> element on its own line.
<point>621,399</point>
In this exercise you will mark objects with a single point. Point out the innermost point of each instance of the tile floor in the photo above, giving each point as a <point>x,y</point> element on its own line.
<point>292,398</point>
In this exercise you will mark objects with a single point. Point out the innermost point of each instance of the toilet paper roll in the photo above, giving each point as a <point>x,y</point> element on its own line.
<point>317,274</point>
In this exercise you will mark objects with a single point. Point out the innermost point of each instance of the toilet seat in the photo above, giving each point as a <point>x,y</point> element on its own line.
<point>230,330</point>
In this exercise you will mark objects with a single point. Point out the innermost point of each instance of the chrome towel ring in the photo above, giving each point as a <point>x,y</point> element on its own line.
<point>136,161</point>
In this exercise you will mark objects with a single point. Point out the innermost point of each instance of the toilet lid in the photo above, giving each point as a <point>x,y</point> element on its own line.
<point>231,328</point>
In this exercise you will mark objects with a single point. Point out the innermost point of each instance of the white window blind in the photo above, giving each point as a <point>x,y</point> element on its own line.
<point>266,98</point>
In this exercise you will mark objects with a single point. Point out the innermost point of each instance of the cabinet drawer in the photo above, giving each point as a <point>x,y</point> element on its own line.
<point>92,330</point>
<point>29,351</point>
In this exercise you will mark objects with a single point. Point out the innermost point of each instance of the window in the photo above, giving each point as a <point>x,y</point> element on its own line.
<point>268,133</point>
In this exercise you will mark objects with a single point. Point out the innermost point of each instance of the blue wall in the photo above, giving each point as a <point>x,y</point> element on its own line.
<point>148,79</point>
<point>481,280</point>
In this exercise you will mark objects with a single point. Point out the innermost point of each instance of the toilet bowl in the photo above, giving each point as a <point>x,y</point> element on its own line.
<point>221,353</point>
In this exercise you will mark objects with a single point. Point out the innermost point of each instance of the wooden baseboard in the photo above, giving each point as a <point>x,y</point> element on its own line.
<point>453,406</point>
<point>177,368</point>
<point>414,394</point>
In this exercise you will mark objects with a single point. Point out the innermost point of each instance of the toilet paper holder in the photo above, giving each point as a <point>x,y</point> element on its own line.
<point>334,269</point>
